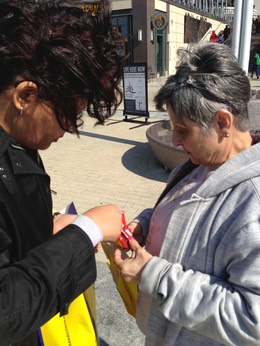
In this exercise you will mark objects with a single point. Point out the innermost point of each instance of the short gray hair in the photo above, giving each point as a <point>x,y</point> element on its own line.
<point>208,77</point>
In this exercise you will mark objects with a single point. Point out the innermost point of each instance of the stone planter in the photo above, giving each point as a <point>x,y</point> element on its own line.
<point>159,137</point>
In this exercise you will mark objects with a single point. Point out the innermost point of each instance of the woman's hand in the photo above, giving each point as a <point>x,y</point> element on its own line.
<point>108,219</point>
<point>137,231</point>
<point>62,220</point>
<point>131,268</point>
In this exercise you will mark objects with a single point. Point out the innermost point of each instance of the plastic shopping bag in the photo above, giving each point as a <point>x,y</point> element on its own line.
<point>77,328</point>
<point>74,329</point>
<point>127,290</point>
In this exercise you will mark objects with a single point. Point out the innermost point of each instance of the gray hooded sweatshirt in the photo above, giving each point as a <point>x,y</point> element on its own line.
<point>204,287</point>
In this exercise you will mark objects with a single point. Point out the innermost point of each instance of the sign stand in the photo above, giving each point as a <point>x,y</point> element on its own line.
<point>135,91</point>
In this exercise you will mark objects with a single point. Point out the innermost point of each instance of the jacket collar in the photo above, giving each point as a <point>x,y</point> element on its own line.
<point>22,161</point>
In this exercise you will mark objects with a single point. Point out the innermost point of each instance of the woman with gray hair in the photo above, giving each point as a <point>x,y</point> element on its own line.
<point>199,272</point>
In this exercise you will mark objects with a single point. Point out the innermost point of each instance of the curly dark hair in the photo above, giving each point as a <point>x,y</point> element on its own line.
<point>67,51</point>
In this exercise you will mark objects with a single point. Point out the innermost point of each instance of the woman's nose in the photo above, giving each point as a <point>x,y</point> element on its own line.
<point>176,139</point>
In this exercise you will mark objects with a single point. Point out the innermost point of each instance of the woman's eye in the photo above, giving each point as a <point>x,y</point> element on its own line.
<point>181,131</point>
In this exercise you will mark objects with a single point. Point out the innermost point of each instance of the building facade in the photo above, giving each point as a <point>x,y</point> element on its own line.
<point>153,30</point>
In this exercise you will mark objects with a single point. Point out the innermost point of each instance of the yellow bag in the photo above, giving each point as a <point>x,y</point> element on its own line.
<point>74,329</point>
<point>127,290</point>
<point>77,328</point>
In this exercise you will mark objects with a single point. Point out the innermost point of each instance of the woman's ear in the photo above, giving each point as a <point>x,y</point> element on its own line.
<point>225,121</point>
<point>25,93</point>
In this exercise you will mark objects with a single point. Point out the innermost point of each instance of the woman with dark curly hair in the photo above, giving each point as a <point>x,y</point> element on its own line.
<point>57,58</point>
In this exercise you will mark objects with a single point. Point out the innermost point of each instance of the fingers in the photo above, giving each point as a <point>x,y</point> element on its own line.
<point>135,227</point>
<point>118,257</point>
<point>137,232</point>
<point>61,221</point>
<point>134,244</point>
<point>118,253</point>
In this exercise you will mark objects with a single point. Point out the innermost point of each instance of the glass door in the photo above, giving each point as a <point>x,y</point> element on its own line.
<point>160,52</point>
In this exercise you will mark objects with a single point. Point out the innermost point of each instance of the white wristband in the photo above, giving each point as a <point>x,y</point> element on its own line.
<point>90,228</point>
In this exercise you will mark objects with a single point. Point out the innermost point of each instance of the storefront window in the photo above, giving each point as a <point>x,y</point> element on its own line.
<point>122,25</point>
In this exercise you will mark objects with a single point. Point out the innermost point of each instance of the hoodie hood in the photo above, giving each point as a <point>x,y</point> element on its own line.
<point>242,167</point>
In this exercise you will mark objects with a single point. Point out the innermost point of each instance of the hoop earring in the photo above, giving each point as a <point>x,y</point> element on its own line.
<point>226,135</point>
<point>21,110</point>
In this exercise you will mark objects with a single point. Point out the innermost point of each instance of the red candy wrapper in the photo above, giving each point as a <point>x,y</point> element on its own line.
<point>126,234</point>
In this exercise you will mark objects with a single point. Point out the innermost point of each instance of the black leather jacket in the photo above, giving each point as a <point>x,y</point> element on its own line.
<point>40,274</point>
